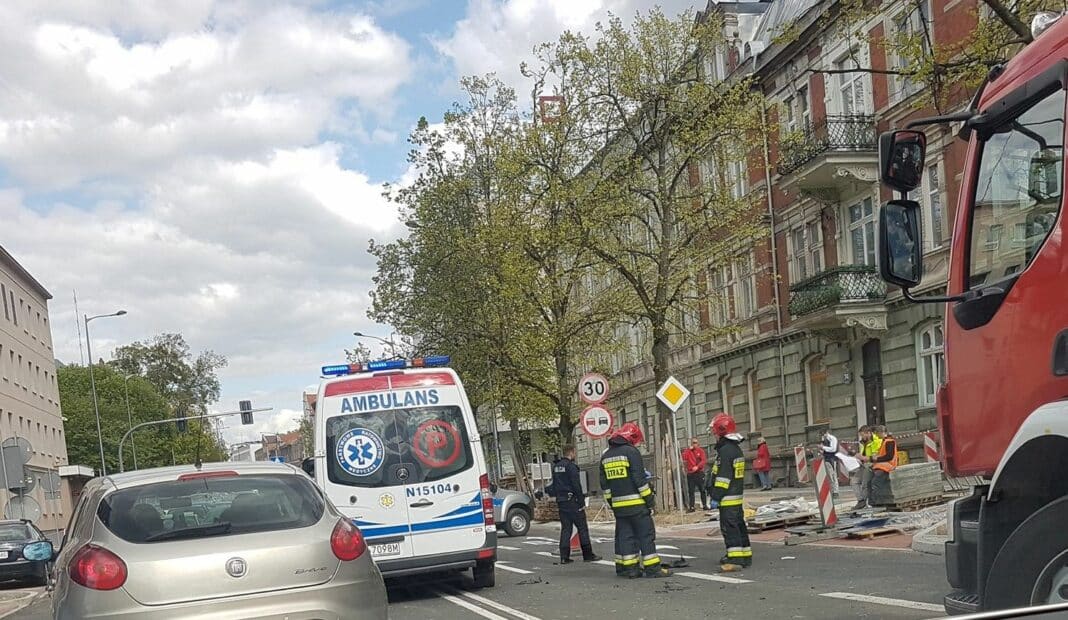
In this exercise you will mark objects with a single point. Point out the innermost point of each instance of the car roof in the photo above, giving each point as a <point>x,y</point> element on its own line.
<point>165,474</point>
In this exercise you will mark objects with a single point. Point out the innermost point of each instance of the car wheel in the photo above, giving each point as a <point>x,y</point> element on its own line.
<point>1032,566</point>
<point>484,575</point>
<point>517,523</point>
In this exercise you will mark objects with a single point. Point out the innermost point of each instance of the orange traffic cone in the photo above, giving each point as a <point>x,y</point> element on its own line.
<point>575,544</point>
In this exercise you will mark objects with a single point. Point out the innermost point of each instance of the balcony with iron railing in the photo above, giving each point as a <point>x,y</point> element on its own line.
<point>841,296</point>
<point>843,139</point>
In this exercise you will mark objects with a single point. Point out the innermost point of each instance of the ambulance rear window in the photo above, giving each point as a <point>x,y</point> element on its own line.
<point>397,446</point>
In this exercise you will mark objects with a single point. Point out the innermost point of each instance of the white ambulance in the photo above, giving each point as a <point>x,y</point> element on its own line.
<point>398,451</point>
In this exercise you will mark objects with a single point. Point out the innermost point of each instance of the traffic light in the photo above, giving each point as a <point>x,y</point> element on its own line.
<point>246,411</point>
<point>180,421</point>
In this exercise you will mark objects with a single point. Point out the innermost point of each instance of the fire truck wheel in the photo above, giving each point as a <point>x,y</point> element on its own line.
<point>1032,566</point>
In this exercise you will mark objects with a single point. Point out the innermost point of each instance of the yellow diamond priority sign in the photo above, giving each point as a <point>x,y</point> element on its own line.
<point>673,394</point>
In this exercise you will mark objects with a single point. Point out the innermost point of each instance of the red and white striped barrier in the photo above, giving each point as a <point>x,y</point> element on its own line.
<point>823,494</point>
<point>930,447</point>
<point>801,463</point>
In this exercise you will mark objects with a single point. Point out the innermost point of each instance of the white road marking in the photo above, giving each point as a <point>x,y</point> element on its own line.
<point>881,600</point>
<point>508,548</point>
<point>495,605</point>
<point>705,577</point>
<point>512,569</point>
<point>456,600</point>
<point>545,553</point>
<point>605,563</point>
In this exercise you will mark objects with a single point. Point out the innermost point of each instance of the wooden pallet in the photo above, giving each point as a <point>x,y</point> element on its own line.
<point>874,532</point>
<point>914,504</point>
<point>810,533</point>
<point>760,525</point>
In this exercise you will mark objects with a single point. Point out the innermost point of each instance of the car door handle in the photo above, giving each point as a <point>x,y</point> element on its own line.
<point>423,503</point>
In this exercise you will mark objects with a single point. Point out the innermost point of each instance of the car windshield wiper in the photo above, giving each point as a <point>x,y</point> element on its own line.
<point>215,529</point>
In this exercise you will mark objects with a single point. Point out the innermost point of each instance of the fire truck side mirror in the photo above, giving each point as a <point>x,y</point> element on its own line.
<point>901,159</point>
<point>900,245</point>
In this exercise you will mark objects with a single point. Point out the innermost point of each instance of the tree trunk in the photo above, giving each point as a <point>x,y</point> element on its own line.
<point>519,457</point>
<point>564,390</point>
<point>662,455</point>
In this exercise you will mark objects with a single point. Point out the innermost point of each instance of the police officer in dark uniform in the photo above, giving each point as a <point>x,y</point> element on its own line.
<point>729,472</point>
<point>567,488</point>
<point>627,491</point>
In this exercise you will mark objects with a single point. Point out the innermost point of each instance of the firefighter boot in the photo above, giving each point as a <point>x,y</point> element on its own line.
<point>657,572</point>
<point>588,555</point>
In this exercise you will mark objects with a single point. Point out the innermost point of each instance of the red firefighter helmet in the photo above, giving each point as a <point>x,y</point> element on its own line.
<point>723,424</point>
<point>631,433</point>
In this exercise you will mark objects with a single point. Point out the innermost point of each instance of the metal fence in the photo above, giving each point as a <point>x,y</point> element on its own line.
<point>834,133</point>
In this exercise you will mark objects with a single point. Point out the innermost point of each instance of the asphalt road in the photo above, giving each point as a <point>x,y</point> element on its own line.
<point>805,581</point>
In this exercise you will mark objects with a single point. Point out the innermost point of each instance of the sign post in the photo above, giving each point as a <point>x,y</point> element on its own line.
<point>673,394</point>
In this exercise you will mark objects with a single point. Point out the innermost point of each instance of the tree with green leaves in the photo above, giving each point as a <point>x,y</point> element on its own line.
<point>651,125</point>
<point>154,444</point>
<point>189,383</point>
<point>491,268</point>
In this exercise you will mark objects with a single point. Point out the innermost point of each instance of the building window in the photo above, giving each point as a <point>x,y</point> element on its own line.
<point>816,389</point>
<point>806,251</point>
<point>725,395</point>
<point>803,113</point>
<point>787,122</point>
<point>852,99</point>
<point>751,396</point>
<point>932,366</point>
<point>933,212</point>
<point>14,315</point>
<point>739,177</point>
<point>744,287</point>
<point>3,298</point>
<point>909,28</point>
<point>862,232</point>
<point>719,298</point>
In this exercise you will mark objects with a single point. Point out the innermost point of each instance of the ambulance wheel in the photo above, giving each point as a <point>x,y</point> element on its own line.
<point>484,575</point>
<point>1032,566</point>
<point>517,522</point>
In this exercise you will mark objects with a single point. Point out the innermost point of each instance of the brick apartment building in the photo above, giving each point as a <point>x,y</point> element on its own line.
<point>817,338</point>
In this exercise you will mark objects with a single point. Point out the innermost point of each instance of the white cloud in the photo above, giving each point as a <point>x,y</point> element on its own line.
<point>83,102</point>
<point>496,36</point>
<point>198,190</point>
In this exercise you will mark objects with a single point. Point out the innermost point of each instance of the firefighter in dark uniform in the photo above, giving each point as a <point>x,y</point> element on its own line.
<point>567,487</point>
<point>627,491</point>
<point>729,473</point>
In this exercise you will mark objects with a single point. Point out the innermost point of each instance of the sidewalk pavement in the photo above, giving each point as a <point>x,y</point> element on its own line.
<point>12,601</point>
<point>702,524</point>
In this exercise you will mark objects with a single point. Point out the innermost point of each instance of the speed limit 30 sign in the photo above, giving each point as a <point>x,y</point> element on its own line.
<point>593,388</point>
<point>596,421</point>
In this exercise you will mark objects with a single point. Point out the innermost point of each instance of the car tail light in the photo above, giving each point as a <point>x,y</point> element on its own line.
<point>487,498</point>
<point>97,568</point>
<point>346,541</point>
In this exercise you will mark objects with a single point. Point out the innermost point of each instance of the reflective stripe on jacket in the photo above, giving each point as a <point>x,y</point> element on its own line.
<point>623,480</point>
<point>729,473</point>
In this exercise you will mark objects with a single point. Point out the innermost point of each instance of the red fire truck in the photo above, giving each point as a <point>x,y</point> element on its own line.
<point>1003,409</point>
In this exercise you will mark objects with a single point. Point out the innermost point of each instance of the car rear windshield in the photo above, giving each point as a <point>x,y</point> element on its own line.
<point>15,532</point>
<point>204,507</point>
<point>397,446</point>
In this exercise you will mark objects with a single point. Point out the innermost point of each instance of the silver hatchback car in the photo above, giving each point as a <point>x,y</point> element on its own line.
<point>226,540</point>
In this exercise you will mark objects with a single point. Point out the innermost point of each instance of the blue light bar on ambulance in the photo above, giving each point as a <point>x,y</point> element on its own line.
<point>340,370</point>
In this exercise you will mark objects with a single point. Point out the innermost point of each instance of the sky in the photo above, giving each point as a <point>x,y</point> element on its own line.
<point>215,168</point>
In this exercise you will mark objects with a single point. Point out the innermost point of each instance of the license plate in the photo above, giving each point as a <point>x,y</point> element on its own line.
<point>385,550</point>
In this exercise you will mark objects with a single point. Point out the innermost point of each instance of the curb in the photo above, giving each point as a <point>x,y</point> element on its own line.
<point>926,541</point>
<point>24,602</point>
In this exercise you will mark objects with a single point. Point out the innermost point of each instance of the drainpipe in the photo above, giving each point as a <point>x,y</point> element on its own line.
<point>775,277</point>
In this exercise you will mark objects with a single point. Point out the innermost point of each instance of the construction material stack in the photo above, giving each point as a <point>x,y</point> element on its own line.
<point>916,483</point>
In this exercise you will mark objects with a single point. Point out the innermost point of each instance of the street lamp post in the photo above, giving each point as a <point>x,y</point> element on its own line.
<point>92,385</point>
<point>129,415</point>
<point>390,342</point>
